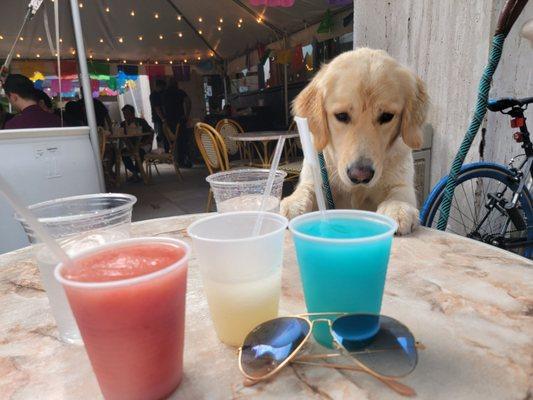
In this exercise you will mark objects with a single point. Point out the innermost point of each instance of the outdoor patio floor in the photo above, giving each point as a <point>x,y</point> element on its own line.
<point>167,196</point>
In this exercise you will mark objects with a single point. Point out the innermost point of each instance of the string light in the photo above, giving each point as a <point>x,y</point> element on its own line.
<point>157,62</point>
<point>121,40</point>
<point>101,40</point>
<point>219,28</point>
<point>1,37</point>
<point>259,20</point>
<point>211,53</point>
<point>240,20</point>
<point>185,61</point>
<point>171,62</point>
<point>38,55</point>
<point>140,37</point>
<point>178,17</point>
<point>60,40</point>
<point>72,51</point>
<point>199,58</point>
<point>81,5</point>
<point>160,37</point>
<point>221,20</point>
<point>132,13</point>
<point>239,25</point>
<point>107,10</point>
<point>91,56</point>
<point>180,34</point>
<point>156,16</point>
<point>200,19</point>
<point>39,39</point>
<point>18,55</point>
<point>140,63</point>
<point>107,59</point>
<point>200,32</point>
<point>123,61</point>
<point>21,38</point>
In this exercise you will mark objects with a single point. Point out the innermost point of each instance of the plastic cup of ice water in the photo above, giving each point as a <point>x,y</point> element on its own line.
<point>343,262</point>
<point>241,274</point>
<point>242,189</point>
<point>128,298</point>
<point>77,223</point>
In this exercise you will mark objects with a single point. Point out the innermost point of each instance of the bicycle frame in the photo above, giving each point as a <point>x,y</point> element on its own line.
<point>522,176</point>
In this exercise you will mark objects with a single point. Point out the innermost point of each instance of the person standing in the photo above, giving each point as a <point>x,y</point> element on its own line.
<point>156,103</point>
<point>177,108</point>
<point>23,96</point>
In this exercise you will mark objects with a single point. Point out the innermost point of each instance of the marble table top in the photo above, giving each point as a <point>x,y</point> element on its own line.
<point>471,306</point>
<point>263,136</point>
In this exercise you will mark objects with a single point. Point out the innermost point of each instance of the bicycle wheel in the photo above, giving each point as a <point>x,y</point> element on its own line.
<point>478,186</point>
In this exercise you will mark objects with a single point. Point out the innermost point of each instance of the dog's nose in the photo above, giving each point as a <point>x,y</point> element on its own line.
<point>361,171</point>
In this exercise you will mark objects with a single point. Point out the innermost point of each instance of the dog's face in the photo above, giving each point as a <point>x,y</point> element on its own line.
<point>360,105</point>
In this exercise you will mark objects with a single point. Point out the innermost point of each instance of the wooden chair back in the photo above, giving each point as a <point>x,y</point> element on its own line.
<point>212,147</point>
<point>228,127</point>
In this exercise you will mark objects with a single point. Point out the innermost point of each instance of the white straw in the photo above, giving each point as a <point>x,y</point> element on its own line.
<point>269,185</point>
<point>311,158</point>
<point>32,221</point>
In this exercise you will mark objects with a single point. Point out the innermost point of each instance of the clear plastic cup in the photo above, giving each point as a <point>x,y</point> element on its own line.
<point>128,298</point>
<point>241,274</point>
<point>343,262</point>
<point>242,189</point>
<point>78,223</point>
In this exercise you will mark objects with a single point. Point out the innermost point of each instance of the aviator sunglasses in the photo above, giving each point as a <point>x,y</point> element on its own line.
<point>378,345</point>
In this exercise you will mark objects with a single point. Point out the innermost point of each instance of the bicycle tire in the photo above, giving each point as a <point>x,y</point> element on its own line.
<point>474,171</point>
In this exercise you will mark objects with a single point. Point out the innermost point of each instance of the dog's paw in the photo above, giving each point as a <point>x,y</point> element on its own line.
<point>295,205</point>
<point>405,214</point>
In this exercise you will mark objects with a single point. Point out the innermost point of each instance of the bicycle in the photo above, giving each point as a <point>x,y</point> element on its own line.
<point>492,203</point>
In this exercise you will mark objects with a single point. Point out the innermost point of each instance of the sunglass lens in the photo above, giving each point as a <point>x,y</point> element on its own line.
<point>381,343</point>
<point>271,343</point>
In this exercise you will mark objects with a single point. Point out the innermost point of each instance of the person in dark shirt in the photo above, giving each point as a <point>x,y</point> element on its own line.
<point>177,108</point>
<point>146,144</point>
<point>22,95</point>
<point>73,115</point>
<point>4,116</point>
<point>156,102</point>
<point>100,111</point>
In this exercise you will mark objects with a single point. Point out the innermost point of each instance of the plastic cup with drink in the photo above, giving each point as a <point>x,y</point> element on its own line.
<point>128,299</point>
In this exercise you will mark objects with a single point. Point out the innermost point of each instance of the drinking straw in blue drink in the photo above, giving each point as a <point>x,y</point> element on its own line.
<point>311,158</point>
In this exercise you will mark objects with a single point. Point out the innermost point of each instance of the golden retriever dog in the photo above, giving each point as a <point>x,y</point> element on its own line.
<point>365,111</point>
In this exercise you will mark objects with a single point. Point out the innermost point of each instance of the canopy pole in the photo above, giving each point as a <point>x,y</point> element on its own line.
<point>87,93</point>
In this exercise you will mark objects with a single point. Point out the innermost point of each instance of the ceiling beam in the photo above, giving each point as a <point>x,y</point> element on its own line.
<point>201,37</point>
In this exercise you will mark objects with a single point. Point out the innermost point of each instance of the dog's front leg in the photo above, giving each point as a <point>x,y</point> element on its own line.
<point>303,198</point>
<point>400,205</point>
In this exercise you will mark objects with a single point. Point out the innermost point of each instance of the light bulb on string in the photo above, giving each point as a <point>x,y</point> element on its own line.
<point>81,5</point>
<point>101,40</point>
<point>178,17</point>
<point>239,25</point>
<point>160,37</point>
<point>140,37</point>
<point>107,9</point>
<point>170,62</point>
<point>199,58</point>
<point>18,55</point>
<point>121,40</point>
<point>180,34</point>
<point>259,20</point>
<point>219,28</point>
<point>185,61</point>
<point>107,59</point>
<point>123,61</point>
<point>38,55</point>
<point>240,20</point>
<point>221,20</point>
<point>39,39</point>
<point>156,15</point>
<point>132,13</point>
<point>1,37</point>
<point>157,62</point>
<point>140,63</point>
<point>200,19</point>
<point>21,38</point>
<point>200,32</point>
<point>91,56</point>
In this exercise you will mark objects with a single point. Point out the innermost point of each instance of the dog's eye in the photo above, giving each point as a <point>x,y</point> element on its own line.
<point>385,117</point>
<point>342,117</point>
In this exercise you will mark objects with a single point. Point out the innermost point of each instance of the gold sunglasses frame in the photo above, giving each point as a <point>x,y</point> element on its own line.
<point>388,380</point>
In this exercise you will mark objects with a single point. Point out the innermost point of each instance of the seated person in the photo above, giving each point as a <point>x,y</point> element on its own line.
<point>131,121</point>
<point>22,95</point>
<point>44,101</point>
<point>73,114</point>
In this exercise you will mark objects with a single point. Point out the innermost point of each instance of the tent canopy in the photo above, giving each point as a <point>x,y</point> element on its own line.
<point>113,28</point>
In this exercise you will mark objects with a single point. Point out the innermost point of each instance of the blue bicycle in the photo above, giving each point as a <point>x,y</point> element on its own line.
<point>492,203</point>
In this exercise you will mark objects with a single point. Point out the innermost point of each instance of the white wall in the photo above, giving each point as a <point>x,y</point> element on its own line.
<point>447,42</point>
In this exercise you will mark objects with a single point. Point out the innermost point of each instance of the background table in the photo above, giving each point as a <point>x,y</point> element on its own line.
<point>468,303</point>
<point>132,141</point>
<point>264,137</point>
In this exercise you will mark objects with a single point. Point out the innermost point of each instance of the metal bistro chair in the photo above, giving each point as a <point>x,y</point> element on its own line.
<point>213,150</point>
<point>229,127</point>
<point>152,159</point>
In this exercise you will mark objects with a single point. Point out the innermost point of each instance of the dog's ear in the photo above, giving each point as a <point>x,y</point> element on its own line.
<point>310,104</point>
<point>414,115</point>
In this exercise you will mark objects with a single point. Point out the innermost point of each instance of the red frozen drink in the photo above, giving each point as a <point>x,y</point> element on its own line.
<point>128,298</point>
